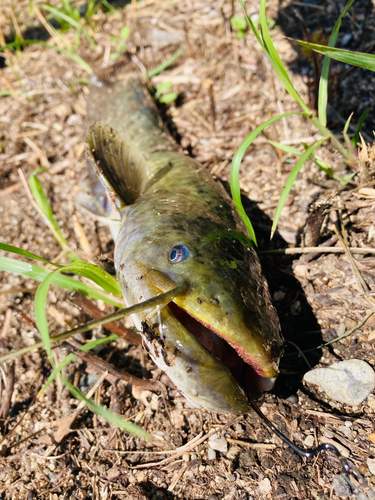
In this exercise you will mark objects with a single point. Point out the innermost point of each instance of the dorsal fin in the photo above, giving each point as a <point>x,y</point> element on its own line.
<point>120,165</point>
<point>126,138</point>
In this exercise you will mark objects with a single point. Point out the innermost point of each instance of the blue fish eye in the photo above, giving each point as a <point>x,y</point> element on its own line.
<point>178,253</point>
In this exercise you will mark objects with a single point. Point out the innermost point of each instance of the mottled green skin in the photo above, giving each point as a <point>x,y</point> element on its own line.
<point>173,200</point>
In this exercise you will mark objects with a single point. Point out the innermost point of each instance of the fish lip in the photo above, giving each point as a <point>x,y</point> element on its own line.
<point>260,381</point>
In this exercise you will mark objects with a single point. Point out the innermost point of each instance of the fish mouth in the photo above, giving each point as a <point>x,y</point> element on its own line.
<point>246,372</point>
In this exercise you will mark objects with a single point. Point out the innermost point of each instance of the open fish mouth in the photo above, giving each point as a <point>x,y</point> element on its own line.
<point>244,372</point>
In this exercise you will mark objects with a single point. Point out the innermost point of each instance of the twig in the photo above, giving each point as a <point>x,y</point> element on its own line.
<point>6,324</point>
<point>199,439</point>
<point>254,446</point>
<point>15,24</point>
<point>41,154</point>
<point>362,285</point>
<point>48,28</point>
<point>102,366</point>
<point>90,325</point>
<point>298,251</point>
<point>90,308</point>
<point>11,89</point>
<point>349,332</point>
<point>6,395</point>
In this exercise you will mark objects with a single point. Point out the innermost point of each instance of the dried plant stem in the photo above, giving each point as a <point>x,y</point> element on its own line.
<point>298,251</point>
<point>90,325</point>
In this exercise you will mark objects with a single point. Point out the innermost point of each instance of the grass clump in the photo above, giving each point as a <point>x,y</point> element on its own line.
<point>105,287</point>
<point>263,37</point>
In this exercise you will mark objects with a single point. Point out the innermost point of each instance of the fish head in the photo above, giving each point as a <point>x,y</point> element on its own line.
<point>222,335</point>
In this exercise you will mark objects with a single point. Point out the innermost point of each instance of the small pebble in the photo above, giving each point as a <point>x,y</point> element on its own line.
<point>265,486</point>
<point>348,382</point>
<point>371,465</point>
<point>218,443</point>
<point>177,419</point>
<point>74,120</point>
<point>346,431</point>
<point>296,308</point>
<point>329,434</point>
<point>293,399</point>
<point>211,454</point>
<point>278,296</point>
<point>362,469</point>
<point>309,441</point>
<point>87,380</point>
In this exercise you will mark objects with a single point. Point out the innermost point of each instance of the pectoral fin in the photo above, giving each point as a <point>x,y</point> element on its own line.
<point>120,165</point>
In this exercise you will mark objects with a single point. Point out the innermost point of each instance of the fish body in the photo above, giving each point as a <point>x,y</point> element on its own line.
<point>179,226</point>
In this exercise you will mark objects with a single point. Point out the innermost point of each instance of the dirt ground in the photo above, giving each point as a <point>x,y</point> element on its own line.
<point>226,88</point>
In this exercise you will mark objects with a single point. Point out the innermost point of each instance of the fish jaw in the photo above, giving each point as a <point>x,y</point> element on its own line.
<point>197,369</point>
<point>201,378</point>
<point>227,317</point>
<point>233,322</point>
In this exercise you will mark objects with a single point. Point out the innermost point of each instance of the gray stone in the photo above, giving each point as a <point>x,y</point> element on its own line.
<point>348,382</point>
<point>218,443</point>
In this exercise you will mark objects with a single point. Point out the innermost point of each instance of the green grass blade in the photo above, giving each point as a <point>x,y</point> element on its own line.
<point>57,14</point>
<point>163,66</point>
<point>275,60</point>
<point>74,57</point>
<point>43,203</point>
<point>111,417</point>
<point>39,274</point>
<point>94,273</point>
<point>323,84</point>
<point>71,357</point>
<point>360,59</point>
<point>25,253</point>
<point>320,163</point>
<point>290,181</point>
<point>361,120</point>
<point>235,170</point>
<point>286,148</point>
<point>168,98</point>
<point>252,25</point>
<point>347,123</point>
<point>40,303</point>
<point>347,179</point>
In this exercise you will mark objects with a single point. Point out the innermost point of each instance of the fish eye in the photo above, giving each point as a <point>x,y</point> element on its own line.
<point>178,253</point>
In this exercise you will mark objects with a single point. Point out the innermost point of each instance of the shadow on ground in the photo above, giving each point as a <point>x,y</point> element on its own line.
<point>298,322</point>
